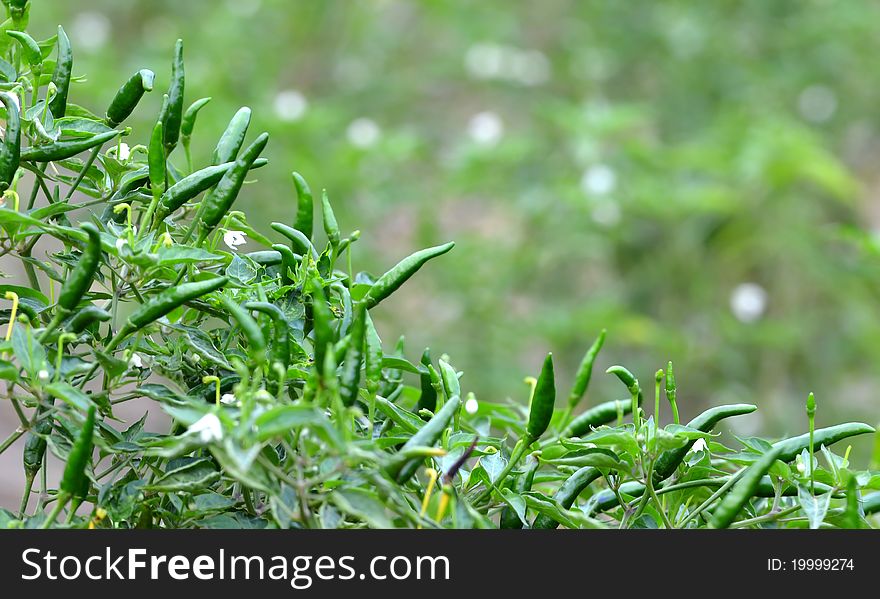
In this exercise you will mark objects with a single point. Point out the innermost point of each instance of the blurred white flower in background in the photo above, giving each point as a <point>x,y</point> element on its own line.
<point>208,428</point>
<point>135,361</point>
<point>471,405</point>
<point>290,105</point>
<point>363,133</point>
<point>233,239</point>
<point>495,61</point>
<point>606,213</point>
<point>748,302</point>
<point>817,103</point>
<point>599,180</point>
<point>90,30</point>
<point>486,128</point>
<point>227,399</point>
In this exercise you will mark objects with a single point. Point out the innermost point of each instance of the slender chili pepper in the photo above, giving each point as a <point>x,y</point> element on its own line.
<point>170,299</point>
<point>218,202</point>
<point>281,342</point>
<point>403,270</point>
<point>351,373</point>
<point>85,317</point>
<point>34,450</point>
<point>61,75</point>
<point>288,261</point>
<point>566,495</point>
<point>428,396</point>
<point>670,392</point>
<point>233,137</point>
<point>174,113</point>
<point>188,123</point>
<point>743,490</point>
<point>632,384</point>
<point>509,518</point>
<point>822,436</point>
<point>191,186</point>
<point>373,356</point>
<point>669,460</point>
<point>400,467</point>
<point>60,150</point>
<point>331,227</point>
<point>265,257</point>
<point>596,416</point>
<point>811,416</point>
<point>585,372</point>
<point>80,278</point>
<point>10,151</point>
<point>157,167</point>
<point>298,240</point>
<point>322,335</point>
<point>256,343</point>
<point>128,96</point>
<point>74,482</point>
<point>29,47</point>
<point>305,209</point>
<point>543,401</point>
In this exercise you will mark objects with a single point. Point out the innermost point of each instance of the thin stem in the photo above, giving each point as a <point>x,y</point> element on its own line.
<point>82,173</point>
<point>28,485</point>
<point>11,439</point>
<point>56,510</point>
<point>766,517</point>
<point>713,497</point>
<point>650,484</point>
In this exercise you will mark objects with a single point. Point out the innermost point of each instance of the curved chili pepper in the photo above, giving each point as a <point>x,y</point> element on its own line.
<point>61,75</point>
<point>221,198</point>
<point>128,96</point>
<point>10,151</point>
<point>80,278</point>
<point>60,150</point>
<point>233,137</point>
<point>173,115</point>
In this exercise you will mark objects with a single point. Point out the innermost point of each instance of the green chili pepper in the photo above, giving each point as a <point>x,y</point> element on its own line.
<point>670,392</point>
<point>188,121</point>
<point>596,416</point>
<point>35,445</point>
<point>373,356</point>
<point>233,137</point>
<point>220,199</point>
<point>301,244</point>
<point>351,373</point>
<point>400,467</point>
<point>585,372</point>
<point>632,384</point>
<point>288,261</point>
<point>331,227</point>
<point>128,96</point>
<point>158,168</point>
<point>61,75</point>
<point>509,518</point>
<point>86,316</point>
<point>428,396</point>
<point>30,49</point>
<point>323,331</point>
<point>265,257</point>
<point>281,342</point>
<point>669,460</point>
<point>191,186</point>
<point>256,343</point>
<point>790,448</point>
<point>543,400</point>
<point>74,482</point>
<point>403,270</point>
<point>170,299</point>
<point>174,112</point>
<point>743,490</point>
<point>871,503</point>
<point>80,278</point>
<point>566,495</point>
<point>448,376</point>
<point>811,416</point>
<point>60,150</point>
<point>305,209</point>
<point>10,151</point>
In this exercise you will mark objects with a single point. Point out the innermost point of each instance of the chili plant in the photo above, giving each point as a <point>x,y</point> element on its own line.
<point>286,408</point>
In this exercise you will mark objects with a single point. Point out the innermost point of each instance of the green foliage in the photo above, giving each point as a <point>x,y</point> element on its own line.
<point>287,410</point>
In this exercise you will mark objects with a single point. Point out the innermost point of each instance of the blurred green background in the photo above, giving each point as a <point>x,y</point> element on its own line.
<point>698,177</point>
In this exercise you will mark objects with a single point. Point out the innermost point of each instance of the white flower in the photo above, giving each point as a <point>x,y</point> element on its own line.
<point>486,128</point>
<point>233,239</point>
<point>817,103</point>
<point>699,445</point>
<point>208,428</point>
<point>363,133</point>
<point>90,30</point>
<point>290,105</point>
<point>43,375</point>
<point>599,180</point>
<point>135,361</point>
<point>471,405</point>
<point>121,242</point>
<point>748,302</point>
<point>227,398</point>
<point>122,151</point>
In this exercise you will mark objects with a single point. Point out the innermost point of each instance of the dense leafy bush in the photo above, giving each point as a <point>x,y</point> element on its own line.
<point>287,409</point>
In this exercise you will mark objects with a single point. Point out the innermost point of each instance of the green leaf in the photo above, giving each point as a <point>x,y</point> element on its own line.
<point>242,270</point>
<point>197,474</point>
<point>362,504</point>
<point>816,507</point>
<point>70,395</point>
<point>614,437</point>
<point>516,503</point>
<point>493,464</point>
<point>282,419</point>
<point>30,354</point>
<point>181,254</point>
